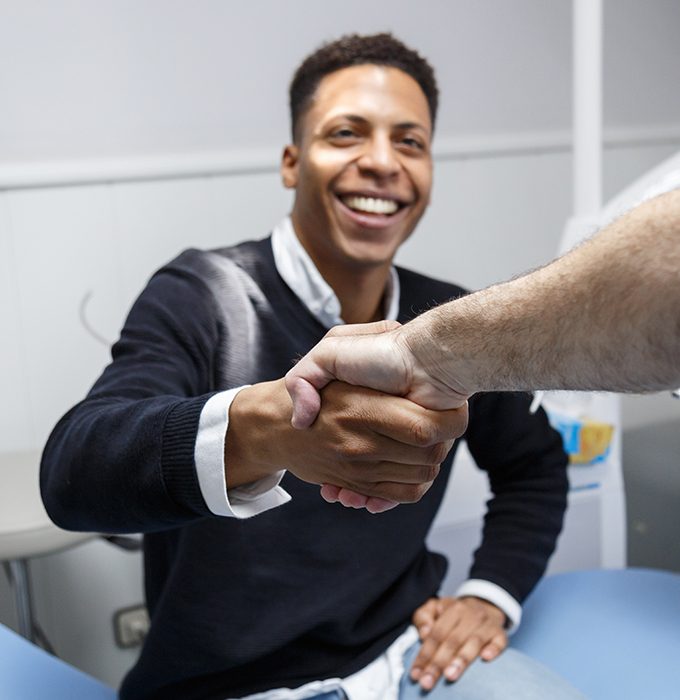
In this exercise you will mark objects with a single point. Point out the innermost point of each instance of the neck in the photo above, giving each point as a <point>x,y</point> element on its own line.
<point>360,292</point>
<point>360,288</point>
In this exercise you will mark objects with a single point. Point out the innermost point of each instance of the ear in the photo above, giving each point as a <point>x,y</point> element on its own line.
<point>289,166</point>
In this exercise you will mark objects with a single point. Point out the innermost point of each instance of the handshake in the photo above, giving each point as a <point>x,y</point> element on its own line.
<point>419,427</point>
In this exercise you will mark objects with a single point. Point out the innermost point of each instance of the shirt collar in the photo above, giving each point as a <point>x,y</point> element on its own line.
<point>300,273</point>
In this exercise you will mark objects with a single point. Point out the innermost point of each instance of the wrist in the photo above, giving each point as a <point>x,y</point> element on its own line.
<point>492,610</point>
<point>249,451</point>
<point>429,346</point>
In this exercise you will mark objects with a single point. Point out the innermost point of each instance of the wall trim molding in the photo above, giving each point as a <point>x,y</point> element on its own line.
<point>168,166</point>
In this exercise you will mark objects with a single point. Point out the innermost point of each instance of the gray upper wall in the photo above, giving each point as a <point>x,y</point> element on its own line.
<point>93,78</point>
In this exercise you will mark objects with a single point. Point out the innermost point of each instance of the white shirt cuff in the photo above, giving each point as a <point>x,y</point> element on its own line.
<point>242,501</point>
<point>486,590</point>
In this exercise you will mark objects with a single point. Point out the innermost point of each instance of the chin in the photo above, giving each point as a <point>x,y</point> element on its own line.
<point>361,256</point>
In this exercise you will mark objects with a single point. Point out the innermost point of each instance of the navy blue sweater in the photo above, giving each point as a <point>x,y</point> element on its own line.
<point>307,590</point>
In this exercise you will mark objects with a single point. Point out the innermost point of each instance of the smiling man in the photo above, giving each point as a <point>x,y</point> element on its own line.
<point>257,587</point>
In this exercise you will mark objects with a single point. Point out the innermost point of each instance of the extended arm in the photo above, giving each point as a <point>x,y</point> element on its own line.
<point>123,460</point>
<point>605,316</point>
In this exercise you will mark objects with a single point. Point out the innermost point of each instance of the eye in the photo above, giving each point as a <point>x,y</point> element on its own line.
<point>344,136</point>
<point>412,143</point>
<point>344,132</point>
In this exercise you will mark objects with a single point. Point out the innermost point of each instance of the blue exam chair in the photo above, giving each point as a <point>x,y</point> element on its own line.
<point>614,634</point>
<point>29,673</point>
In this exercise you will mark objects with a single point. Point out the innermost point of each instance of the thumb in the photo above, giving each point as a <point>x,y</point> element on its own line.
<point>305,379</point>
<point>306,401</point>
<point>373,328</point>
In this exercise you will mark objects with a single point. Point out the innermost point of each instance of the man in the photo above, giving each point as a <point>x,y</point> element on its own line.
<point>304,595</point>
<point>605,316</point>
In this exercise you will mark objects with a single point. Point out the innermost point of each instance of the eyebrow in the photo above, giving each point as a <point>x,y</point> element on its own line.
<point>356,119</point>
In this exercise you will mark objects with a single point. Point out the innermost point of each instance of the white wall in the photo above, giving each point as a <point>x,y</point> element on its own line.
<point>83,78</point>
<point>134,83</point>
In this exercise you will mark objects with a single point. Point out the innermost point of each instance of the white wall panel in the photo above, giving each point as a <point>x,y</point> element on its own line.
<point>15,414</point>
<point>248,207</point>
<point>63,248</point>
<point>157,220</point>
<point>76,592</point>
<point>119,77</point>
<point>491,218</point>
<point>621,167</point>
<point>154,221</point>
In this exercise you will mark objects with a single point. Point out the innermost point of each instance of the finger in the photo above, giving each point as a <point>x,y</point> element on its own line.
<point>352,499</point>
<point>442,632</point>
<point>455,664</point>
<point>389,475</point>
<point>379,497</point>
<point>375,505</point>
<point>495,647</point>
<point>329,492</point>
<point>424,617</point>
<point>363,328</point>
<point>361,454</point>
<point>411,424</point>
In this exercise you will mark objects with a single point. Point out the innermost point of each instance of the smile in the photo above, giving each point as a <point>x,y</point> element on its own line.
<point>371,205</point>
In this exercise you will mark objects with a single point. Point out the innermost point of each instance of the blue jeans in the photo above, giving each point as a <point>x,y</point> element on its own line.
<point>512,676</point>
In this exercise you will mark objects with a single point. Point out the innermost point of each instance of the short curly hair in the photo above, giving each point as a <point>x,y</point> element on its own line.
<point>354,50</point>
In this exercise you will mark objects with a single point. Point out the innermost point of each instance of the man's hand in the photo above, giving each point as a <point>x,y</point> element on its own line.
<point>374,355</point>
<point>384,447</point>
<point>454,632</point>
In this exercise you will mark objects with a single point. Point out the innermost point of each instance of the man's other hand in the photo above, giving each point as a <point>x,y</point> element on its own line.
<point>453,633</point>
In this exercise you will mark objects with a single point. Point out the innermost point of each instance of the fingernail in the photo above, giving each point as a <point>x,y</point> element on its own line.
<point>427,681</point>
<point>453,671</point>
<point>424,631</point>
<point>415,673</point>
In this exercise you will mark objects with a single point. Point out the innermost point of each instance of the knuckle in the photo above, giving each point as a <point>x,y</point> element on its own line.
<point>414,492</point>
<point>437,453</point>
<point>451,644</point>
<point>423,432</point>
<point>458,605</point>
<point>474,641</point>
<point>430,474</point>
<point>438,635</point>
<point>334,332</point>
<point>456,420</point>
<point>403,493</point>
<point>351,449</point>
<point>349,471</point>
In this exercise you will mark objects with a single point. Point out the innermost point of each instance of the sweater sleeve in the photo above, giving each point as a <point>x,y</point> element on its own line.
<point>122,460</point>
<point>526,464</point>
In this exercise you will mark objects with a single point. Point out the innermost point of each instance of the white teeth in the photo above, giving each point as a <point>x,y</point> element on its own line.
<point>371,205</point>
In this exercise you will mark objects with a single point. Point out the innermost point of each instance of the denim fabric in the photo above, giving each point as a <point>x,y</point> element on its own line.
<point>511,676</point>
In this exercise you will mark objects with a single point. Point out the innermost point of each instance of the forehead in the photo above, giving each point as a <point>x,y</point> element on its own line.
<point>375,93</point>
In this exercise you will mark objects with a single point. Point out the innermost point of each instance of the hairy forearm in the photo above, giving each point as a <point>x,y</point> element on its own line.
<point>605,316</point>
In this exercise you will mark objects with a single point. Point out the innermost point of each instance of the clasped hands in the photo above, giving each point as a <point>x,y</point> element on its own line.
<point>376,356</point>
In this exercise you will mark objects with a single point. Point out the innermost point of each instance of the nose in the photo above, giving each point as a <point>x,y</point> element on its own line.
<point>379,158</point>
